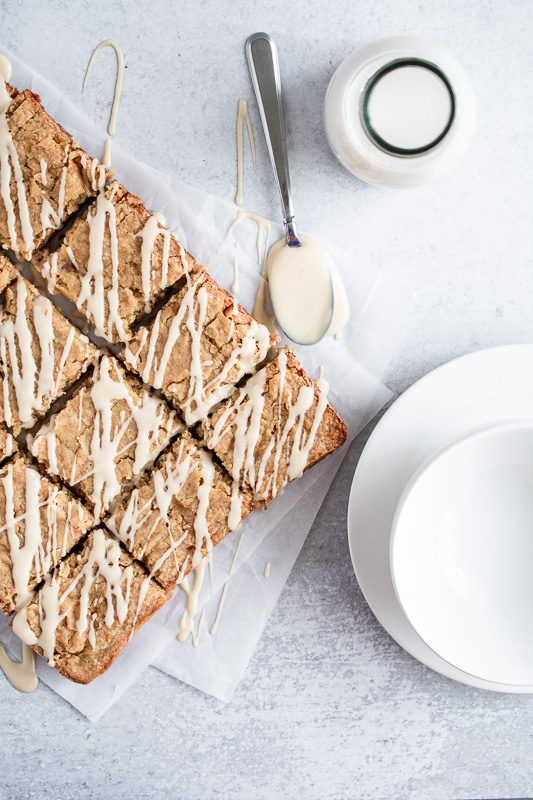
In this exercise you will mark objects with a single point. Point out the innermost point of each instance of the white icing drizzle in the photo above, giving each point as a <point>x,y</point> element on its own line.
<point>214,626</point>
<point>44,167</point>
<point>242,117</point>
<point>35,385</point>
<point>267,570</point>
<point>152,229</point>
<point>119,80</point>
<point>10,166</point>
<point>6,68</point>
<point>107,446</point>
<point>192,594</point>
<point>103,561</point>
<point>20,674</point>
<point>191,315</point>
<point>321,382</point>
<point>242,418</point>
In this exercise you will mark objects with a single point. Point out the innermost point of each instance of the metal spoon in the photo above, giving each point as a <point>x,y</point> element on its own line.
<point>263,62</point>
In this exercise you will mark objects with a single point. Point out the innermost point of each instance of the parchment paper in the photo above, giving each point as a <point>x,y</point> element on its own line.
<point>353,366</point>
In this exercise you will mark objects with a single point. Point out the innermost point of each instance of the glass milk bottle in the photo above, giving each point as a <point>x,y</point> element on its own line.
<point>400,112</point>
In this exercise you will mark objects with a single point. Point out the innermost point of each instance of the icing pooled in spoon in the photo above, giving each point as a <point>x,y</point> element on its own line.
<point>307,293</point>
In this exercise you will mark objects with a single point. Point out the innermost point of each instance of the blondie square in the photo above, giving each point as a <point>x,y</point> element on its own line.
<point>115,262</point>
<point>41,355</point>
<point>89,608</point>
<point>108,431</point>
<point>183,508</point>
<point>198,347</point>
<point>40,522</point>
<point>274,427</point>
<point>45,175</point>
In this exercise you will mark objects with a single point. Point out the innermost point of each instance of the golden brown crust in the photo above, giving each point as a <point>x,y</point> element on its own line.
<point>85,643</point>
<point>69,173</point>
<point>161,522</point>
<point>66,269</point>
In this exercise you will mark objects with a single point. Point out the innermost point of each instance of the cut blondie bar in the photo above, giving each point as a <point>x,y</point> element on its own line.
<point>41,355</point>
<point>45,176</point>
<point>273,428</point>
<point>115,262</point>
<point>108,431</point>
<point>89,608</point>
<point>40,522</point>
<point>198,347</point>
<point>183,508</point>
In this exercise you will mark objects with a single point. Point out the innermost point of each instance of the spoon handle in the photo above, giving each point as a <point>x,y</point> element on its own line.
<point>263,62</point>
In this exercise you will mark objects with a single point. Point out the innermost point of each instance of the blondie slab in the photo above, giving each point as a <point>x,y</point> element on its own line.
<point>41,355</point>
<point>198,347</point>
<point>45,176</point>
<point>274,427</point>
<point>108,431</point>
<point>183,508</point>
<point>8,272</point>
<point>89,608</point>
<point>40,522</point>
<point>115,262</point>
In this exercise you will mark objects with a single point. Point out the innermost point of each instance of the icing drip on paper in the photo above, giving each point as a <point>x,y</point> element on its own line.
<point>267,570</point>
<point>119,79</point>
<point>321,382</point>
<point>192,594</point>
<point>191,320</point>
<point>147,415</point>
<point>242,419</point>
<point>242,117</point>
<point>20,674</point>
<point>103,562</point>
<point>214,626</point>
<point>35,385</point>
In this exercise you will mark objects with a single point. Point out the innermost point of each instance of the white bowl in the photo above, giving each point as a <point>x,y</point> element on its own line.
<point>462,553</point>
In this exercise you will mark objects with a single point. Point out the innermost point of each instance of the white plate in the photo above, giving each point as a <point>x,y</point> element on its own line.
<point>473,391</point>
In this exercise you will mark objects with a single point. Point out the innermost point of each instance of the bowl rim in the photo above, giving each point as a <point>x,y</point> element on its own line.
<point>481,432</point>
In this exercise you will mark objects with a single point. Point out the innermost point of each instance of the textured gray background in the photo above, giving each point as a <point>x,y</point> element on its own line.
<point>330,706</point>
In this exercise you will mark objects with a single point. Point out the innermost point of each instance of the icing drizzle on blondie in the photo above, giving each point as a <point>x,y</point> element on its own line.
<point>102,563</point>
<point>147,414</point>
<point>40,548</point>
<point>10,170</point>
<point>191,319</point>
<point>35,385</point>
<point>99,296</point>
<point>242,418</point>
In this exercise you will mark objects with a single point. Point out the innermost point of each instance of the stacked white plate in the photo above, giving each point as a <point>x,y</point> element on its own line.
<point>440,520</point>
